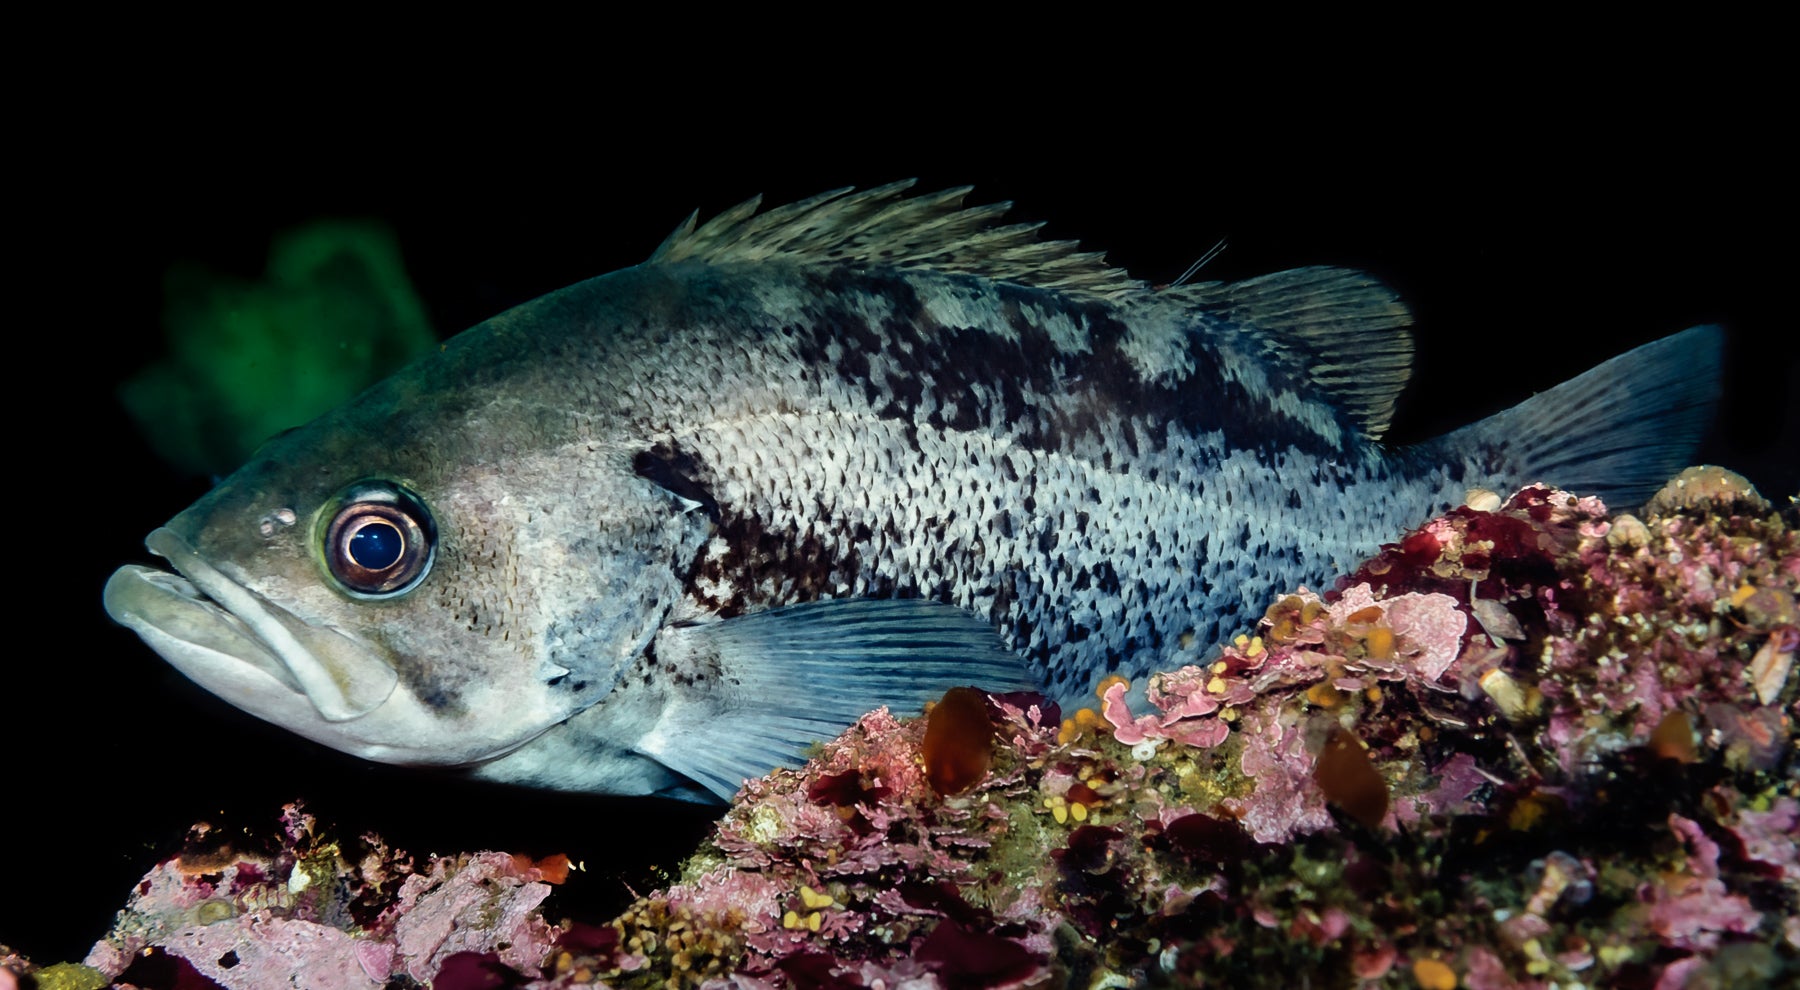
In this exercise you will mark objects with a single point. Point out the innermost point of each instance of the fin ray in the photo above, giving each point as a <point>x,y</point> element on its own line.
<point>1341,328</point>
<point>882,226</point>
<point>1620,430</point>
<point>800,675</point>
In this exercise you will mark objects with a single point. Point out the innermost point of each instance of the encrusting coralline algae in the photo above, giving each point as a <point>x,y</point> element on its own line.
<point>1532,744</point>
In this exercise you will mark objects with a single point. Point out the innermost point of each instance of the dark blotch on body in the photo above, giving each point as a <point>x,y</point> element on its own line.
<point>678,472</point>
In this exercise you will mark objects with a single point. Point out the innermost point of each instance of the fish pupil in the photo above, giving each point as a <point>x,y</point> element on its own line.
<point>380,541</point>
<point>377,545</point>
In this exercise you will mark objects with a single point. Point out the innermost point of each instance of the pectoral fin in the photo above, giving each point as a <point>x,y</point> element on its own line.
<point>770,684</point>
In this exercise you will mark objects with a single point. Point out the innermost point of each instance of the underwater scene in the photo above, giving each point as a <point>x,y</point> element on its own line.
<point>1510,709</point>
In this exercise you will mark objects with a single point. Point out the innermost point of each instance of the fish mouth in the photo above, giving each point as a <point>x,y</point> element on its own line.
<point>242,647</point>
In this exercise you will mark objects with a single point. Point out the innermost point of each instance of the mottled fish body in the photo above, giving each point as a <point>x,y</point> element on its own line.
<point>657,531</point>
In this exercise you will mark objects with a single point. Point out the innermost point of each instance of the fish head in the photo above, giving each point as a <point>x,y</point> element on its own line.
<point>434,574</point>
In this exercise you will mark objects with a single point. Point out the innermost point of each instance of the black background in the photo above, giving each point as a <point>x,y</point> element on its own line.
<point>1534,237</point>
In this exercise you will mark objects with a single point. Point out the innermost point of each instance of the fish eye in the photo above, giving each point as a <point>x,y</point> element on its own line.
<point>379,540</point>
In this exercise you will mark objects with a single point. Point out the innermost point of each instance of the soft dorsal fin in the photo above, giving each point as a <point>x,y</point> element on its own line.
<point>883,227</point>
<point>1343,329</point>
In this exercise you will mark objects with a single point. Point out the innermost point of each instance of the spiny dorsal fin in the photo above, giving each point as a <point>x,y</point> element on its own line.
<point>883,227</point>
<point>1344,329</point>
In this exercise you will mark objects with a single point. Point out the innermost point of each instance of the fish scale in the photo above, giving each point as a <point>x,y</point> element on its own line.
<point>665,528</point>
<point>928,503</point>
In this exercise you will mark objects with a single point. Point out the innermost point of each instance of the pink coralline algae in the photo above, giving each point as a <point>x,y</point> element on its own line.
<point>306,915</point>
<point>1531,744</point>
<point>1691,908</point>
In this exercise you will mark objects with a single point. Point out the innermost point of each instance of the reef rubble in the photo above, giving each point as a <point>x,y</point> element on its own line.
<point>1532,744</point>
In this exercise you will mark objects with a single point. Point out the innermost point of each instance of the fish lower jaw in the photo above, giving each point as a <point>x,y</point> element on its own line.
<point>205,613</point>
<point>209,644</point>
<point>404,732</point>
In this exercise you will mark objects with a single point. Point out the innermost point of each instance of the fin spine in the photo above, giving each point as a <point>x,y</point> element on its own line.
<point>881,227</point>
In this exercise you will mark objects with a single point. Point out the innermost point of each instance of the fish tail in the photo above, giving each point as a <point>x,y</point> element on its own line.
<point>1620,430</point>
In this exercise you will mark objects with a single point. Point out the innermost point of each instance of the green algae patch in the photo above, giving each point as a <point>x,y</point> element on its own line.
<point>70,976</point>
<point>333,313</point>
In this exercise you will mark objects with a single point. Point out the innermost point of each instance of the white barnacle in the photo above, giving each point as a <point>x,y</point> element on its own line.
<point>1482,500</point>
<point>1628,531</point>
<point>1508,696</point>
<point>1769,669</point>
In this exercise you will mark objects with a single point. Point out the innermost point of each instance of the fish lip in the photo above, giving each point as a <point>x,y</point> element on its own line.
<point>134,592</point>
<point>311,680</point>
<point>201,621</point>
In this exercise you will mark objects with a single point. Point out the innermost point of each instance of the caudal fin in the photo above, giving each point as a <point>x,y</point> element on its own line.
<point>1620,430</point>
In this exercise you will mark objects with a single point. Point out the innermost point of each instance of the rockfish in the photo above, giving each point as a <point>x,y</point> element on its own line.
<point>659,531</point>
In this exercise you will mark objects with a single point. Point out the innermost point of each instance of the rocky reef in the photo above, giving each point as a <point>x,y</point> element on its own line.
<point>1531,744</point>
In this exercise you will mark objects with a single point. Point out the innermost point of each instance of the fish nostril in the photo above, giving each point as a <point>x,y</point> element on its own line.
<point>276,521</point>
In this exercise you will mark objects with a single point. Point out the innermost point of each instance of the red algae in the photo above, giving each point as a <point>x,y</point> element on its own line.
<point>964,957</point>
<point>1673,738</point>
<point>1349,780</point>
<point>477,971</point>
<point>959,741</point>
